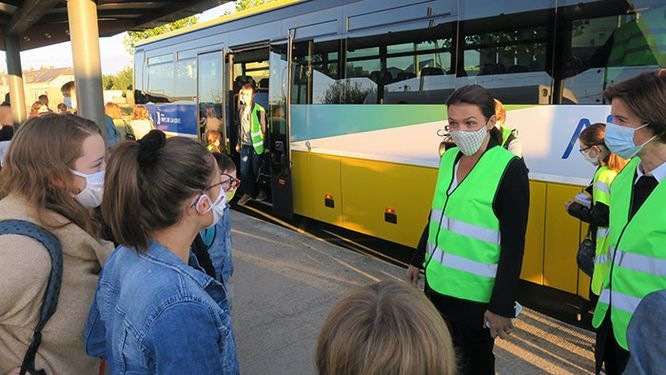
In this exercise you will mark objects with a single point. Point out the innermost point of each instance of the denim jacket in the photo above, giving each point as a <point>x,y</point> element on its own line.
<point>154,314</point>
<point>220,248</point>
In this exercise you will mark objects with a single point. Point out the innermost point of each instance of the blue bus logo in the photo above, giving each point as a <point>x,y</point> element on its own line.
<point>582,124</point>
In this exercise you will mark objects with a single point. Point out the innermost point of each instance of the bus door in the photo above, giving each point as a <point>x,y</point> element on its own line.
<point>210,97</point>
<point>247,65</point>
<point>278,124</point>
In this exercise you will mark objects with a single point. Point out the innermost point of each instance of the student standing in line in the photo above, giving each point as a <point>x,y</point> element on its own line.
<point>217,239</point>
<point>52,176</point>
<point>156,310</point>
<point>385,328</point>
<point>593,206</point>
<point>637,255</point>
<point>472,248</point>
<point>510,140</point>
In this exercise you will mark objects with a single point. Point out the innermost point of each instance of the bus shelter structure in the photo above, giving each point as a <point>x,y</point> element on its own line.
<point>27,24</point>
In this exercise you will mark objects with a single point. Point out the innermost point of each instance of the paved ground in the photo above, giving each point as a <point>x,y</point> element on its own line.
<point>285,283</point>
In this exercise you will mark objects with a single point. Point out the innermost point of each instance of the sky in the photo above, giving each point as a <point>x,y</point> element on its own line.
<point>113,55</point>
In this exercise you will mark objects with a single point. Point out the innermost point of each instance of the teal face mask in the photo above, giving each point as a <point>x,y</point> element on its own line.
<point>620,140</point>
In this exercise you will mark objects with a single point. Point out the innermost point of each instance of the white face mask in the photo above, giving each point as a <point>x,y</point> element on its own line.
<point>589,159</point>
<point>469,142</point>
<point>91,195</point>
<point>217,206</point>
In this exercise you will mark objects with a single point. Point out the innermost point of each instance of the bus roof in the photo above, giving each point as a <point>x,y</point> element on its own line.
<point>222,19</point>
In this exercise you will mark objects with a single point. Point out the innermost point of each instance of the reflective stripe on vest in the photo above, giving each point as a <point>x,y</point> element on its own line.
<point>620,301</point>
<point>601,259</point>
<point>602,186</point>
<point>464,264</point>
<point>463,236</point>
<point>465,229</point>
<point>601,194</point>
<point>638,265</point>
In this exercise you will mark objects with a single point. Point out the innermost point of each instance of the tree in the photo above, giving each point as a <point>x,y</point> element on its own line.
<point>133,37</point>
<point>248,4</point>
<point>121,81</point>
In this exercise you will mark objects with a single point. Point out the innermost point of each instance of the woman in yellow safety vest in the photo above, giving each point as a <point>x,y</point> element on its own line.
<point>472,248</point>
<point>637,253</point>
<point>510,140</point>
<point>593,206</point>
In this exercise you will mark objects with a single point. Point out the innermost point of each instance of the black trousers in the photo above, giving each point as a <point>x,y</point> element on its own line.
<point>607,351</point>
<point>474,349</point>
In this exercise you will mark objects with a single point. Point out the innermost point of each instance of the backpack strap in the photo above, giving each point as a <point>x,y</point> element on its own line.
<point>52,245</point>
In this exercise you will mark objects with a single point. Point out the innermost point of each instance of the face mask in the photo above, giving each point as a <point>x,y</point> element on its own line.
<point>217,206</point>
<point>469,142</point>
<point>68,101</point>
<point>91,195</point>
<point>589,159</point>
<point>230,195</point>
<point>620,140</point>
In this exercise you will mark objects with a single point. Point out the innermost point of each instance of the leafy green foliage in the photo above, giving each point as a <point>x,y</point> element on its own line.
<point>121,81</point>
<point>241,5</point>
<point>133,37</point>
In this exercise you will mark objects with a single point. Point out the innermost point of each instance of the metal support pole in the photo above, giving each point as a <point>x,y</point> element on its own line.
<point>16,93</point>
<point>84,34</point>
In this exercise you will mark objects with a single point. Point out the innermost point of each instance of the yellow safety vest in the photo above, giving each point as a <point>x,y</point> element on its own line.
<point>601,194</point>
<point>638,255</point>
<point>463,237</point>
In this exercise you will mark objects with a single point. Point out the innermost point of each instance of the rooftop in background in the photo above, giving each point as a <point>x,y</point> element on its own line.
<point>40,23</point>
<point>216,21</point>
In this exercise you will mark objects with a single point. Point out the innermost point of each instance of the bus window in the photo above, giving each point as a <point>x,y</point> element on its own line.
<point>210,93</point>
<point>186,75</point>
<point>160,79</point>
<point>418,67</point>
<point>326,72</point>
<point>363,73</point>
<point>506,53</point>
<point>603,48</point>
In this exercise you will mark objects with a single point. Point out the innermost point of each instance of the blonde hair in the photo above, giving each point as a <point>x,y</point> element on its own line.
<point>44,150</point>
<point>385,328</point>
<point>34,109</point>
<point>113,110</point>
<point>140,112</point>
<point>500,113</point>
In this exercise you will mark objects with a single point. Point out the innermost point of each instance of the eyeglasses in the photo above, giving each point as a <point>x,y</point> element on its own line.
<point>231,180</point>
<point>584,150</point>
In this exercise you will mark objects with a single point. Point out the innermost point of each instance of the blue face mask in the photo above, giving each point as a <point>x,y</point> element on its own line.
<point>620,140</point>
<point>68,101</point>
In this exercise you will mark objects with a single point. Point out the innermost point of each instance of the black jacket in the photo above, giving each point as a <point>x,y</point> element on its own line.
<point>511,206</point>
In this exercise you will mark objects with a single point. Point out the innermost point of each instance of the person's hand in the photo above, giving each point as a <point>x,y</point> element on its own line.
<point>237,148</point>
<point>412,275</point>
<point>14,371</point>
<point>568,204</point>
<point>497,325</point>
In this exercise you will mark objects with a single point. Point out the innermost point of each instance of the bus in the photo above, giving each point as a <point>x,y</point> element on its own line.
<point>354,91</point>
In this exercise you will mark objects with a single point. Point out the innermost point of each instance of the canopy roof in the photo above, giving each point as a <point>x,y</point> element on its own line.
<point>39,23</point>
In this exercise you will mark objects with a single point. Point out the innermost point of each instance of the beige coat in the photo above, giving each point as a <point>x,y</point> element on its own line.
<point>24,270</point>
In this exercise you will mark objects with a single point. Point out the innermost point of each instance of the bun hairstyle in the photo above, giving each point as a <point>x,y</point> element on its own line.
<point>148,183</point>
<point>44,150</point>
<point>479,96</point>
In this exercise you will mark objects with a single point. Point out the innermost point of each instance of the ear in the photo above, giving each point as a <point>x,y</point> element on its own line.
<point>202,205</point>
<point>492,120</point>
<point>58,181</point>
